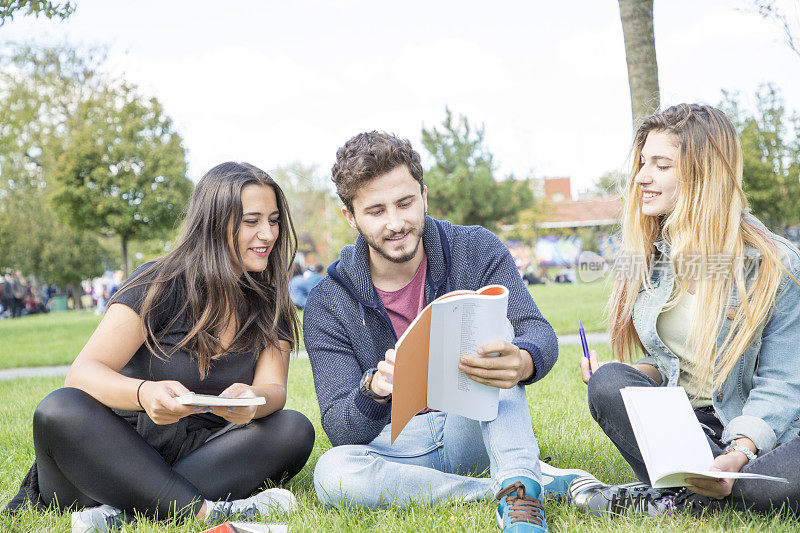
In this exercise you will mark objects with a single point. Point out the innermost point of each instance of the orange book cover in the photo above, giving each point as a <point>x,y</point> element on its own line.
<point>413,354</point>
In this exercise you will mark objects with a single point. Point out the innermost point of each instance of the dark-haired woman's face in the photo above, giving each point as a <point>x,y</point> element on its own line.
<point>259,229</point>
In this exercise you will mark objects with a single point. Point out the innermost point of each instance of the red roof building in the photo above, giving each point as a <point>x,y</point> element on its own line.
<point>561,211</point>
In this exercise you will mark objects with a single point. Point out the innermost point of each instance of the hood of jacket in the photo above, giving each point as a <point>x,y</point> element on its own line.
<point>352,271</point>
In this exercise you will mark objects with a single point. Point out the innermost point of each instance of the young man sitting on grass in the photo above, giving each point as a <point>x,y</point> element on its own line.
<point>401,260</point>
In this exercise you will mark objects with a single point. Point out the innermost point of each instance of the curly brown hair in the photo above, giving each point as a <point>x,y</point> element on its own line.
<point>368,155</point>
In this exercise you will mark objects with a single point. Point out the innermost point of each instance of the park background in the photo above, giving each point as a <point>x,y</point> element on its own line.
<point>522,111</point>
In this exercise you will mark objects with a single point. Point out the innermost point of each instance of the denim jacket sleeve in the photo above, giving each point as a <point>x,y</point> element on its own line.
<point>774,401</point>
<point>532,332</point>
<point>347,416</point>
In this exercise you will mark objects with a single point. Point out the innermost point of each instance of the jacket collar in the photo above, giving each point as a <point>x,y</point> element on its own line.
<point>353,273</point>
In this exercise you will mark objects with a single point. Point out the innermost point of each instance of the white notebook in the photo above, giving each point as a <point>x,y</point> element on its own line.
<point>672,443</point>
<point>206,400</point>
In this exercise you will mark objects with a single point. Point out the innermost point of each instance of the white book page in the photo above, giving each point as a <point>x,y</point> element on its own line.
<point>678,479</point>
<point>258,527</point>
<point>673,445</point>
<point>459,325</point>
<point>667,431</point>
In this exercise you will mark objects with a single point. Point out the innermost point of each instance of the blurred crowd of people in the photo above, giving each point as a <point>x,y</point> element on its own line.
<point>533,273</point>
<point>19,297</point>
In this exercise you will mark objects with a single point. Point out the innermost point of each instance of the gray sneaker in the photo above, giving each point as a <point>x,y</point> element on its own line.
<point>263,504</point>
<point>98,519</point>
<point>594,497</point>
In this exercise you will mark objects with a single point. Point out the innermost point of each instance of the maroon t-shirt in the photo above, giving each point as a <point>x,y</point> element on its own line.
<point>403,305</point>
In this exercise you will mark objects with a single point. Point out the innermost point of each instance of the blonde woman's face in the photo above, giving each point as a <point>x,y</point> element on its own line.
<point>657,178</point>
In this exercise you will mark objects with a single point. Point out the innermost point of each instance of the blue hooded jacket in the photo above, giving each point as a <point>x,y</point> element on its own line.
<point>347,330</point>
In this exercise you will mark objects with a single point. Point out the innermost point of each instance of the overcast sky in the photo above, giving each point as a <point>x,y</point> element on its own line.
<point>274,82</point>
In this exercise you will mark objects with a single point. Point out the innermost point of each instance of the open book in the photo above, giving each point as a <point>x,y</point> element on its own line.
<point>426,370</point>
<point>673,445</point>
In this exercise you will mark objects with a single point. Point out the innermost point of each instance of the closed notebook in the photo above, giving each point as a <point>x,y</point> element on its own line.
<point>206,400</point>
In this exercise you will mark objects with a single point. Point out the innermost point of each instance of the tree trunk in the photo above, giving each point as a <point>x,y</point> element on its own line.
<point>640,54</point>
<point>125,268</point>
<point>77,292</point>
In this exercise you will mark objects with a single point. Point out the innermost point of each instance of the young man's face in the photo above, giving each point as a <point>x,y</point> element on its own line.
<point>389,212</point>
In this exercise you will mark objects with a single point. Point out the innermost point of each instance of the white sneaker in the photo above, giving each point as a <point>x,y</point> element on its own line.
<point>265,503</point>
<point>555,481</point>
<point>100,519</point>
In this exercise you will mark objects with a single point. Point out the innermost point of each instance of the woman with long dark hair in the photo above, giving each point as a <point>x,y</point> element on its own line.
<point>211,317</point>
<point>714,307</point>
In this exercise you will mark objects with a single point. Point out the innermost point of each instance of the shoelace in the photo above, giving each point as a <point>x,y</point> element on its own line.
<point>637,500</point>
<point>521,507</point>
<point>225,511</point>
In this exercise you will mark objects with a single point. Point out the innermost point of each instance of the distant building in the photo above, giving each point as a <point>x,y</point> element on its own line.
<point>563,212</point>
<point>557,189</point>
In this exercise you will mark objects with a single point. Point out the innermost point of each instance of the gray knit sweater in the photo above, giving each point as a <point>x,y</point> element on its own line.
<point>347,331</point>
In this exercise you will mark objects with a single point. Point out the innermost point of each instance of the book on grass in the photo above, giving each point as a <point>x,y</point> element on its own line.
<point>427,355</point>
<point>249,527</point>
<point>207,400</point>
<point>673,445</point>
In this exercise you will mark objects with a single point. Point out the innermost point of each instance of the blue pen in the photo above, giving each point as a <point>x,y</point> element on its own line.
<point>584,345</point>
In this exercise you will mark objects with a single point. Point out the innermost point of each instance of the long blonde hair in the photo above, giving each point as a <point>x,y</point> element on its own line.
<point>707,228</point>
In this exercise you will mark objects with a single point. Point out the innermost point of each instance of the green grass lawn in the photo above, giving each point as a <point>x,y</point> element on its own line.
<point>44,340</point>
<point>563,304</point>
<point>51,339</point>
<point>56,338</point>
<point>563,426</point>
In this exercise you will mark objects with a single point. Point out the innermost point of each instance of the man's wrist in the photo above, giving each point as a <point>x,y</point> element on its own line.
<point>528,369</point>
<point>365,387</point>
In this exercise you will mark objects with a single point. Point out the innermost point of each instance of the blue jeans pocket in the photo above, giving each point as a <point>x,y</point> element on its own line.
<point>412,449</point>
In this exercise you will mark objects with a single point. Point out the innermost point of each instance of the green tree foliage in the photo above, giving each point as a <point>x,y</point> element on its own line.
<point>611,183</point>
<point>64,124</point>
<point>8,8</point>
<point>321,228</point>
<point>34,241</point>
<point>122,171</point>
<point>38,89</point>
<point>461,184</point>
<point>771,156</point>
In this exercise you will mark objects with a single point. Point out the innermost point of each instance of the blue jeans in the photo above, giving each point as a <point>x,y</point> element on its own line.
<point>436,457</point>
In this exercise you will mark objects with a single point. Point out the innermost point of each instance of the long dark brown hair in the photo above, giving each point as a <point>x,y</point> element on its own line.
<point>257,301</point>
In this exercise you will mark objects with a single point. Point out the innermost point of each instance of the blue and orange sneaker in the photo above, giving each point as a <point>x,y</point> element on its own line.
<point>520,508</point>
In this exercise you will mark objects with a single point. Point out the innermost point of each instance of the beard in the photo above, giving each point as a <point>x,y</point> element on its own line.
<point>414,236</point>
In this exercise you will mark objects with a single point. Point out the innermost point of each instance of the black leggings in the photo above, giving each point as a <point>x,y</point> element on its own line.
<point>86,455</point>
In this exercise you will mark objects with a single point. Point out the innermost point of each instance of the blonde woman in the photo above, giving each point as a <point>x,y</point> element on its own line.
<point>711,298</point>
